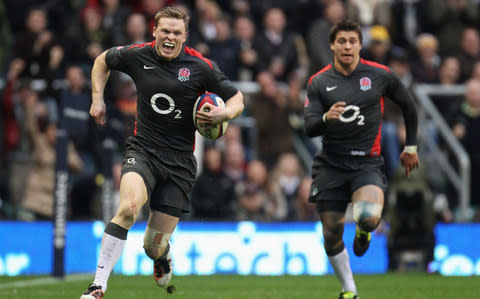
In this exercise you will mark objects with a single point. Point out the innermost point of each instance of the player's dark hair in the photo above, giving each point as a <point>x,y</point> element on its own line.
<point>345,25</point>
<point>172,12</point>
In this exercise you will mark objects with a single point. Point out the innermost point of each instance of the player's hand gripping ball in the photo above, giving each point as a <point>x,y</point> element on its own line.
<point>206,130</point>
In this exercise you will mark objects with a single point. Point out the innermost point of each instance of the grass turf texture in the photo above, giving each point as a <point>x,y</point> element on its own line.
<point>390,285</point>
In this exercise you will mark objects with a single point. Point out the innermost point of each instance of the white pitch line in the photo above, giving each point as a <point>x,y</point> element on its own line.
<point>44,280</point>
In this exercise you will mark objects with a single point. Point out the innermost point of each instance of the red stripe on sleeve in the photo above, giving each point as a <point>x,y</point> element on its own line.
<point>307,101</point>
<point>195,53</point>
<point>377,147</point>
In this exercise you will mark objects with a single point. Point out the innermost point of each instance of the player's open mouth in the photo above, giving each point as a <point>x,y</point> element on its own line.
<point>168,46</point>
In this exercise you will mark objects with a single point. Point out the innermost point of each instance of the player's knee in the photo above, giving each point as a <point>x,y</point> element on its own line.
<point>127,213</point>
<point>367,215</point>
<point>334,249</point>
<point>155,243</point>
<point>332,238</point>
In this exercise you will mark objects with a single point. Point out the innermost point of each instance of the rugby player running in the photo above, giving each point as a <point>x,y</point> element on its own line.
<point>345,105</point>
<point>158,162</point>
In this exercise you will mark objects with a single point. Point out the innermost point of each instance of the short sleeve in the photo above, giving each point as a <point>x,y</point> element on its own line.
<point>117,58</point>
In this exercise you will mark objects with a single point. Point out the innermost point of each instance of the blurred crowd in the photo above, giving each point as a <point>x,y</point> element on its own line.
<point>48,48</point>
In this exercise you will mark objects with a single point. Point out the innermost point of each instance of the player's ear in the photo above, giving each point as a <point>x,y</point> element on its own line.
<point>154,31</point>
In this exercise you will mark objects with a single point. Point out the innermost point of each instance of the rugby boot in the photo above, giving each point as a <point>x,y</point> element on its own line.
<point>348,295</point>
<point>93,292</point>
<point>361,241</point>
<point>162,270</point>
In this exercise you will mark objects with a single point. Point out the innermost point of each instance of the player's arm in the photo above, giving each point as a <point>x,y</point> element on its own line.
<point>315,116</point>
<point>100,74</point>
<point>216,115</point>
<point>218,83</point>
<point>234,106</point>
<point>401,96</point>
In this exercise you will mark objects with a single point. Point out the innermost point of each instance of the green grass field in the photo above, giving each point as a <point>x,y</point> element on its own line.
<point>390,286</point>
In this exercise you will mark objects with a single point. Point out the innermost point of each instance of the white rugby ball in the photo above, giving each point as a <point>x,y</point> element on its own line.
<point>208,131</point>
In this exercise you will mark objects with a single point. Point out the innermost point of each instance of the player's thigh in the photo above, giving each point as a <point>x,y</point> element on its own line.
<point>369,186</point>
<point>136,181</point>
<point>133,192</point>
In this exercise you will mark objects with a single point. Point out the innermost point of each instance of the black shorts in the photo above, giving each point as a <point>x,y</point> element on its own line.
<point>332,187</point>
<point>168,175</point>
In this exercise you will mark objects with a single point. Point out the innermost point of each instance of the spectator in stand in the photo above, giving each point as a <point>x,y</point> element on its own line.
<point>257,198</point>
<point>425,66</point>
<point>276,47</point>
<point>274,109</point>
<point>465,127</point>
<point>149,8</point>
<point>317,38</point>
<point>11,126</point>
<point>244,31</point>
<point>114,16</point>
<point>39,189</point>
<point>38,47</point>
<point>449,74</point>
<point>7,39</point>
<point>224,49</point>
<point>232,135</point>
<point>409,18</point>
<point>234,157</point>
<point>476,71</point>
<point>214,192</point>
<point>136,30</point>
<point>75,104</point>
<point>379,49</point>
<point>85,44</point>
<point>449,18</point>
<point>305,210</point>
<point>203,24</point>
<point>288,174</point>
<point>369,13</point>
<point>469,53</point>
<point>9,138</point>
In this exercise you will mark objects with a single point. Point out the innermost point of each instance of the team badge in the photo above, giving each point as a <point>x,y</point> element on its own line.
<point>183,74</point>
<point>365,84</point>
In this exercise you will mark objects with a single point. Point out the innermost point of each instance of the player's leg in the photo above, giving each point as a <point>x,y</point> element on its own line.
<point>133,195</point>
<point>164,217</point>
<point>367,212</point>
<point>332,215</point>
<point>156,243</point>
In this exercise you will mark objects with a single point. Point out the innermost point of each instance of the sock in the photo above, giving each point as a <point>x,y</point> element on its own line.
<point>341,265</point>
<point>111,249</point>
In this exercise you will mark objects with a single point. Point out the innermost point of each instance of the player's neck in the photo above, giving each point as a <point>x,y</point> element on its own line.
<point>345,69</point>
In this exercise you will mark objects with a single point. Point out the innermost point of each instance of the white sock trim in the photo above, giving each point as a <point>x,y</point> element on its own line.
<point>341,265</point>
<point>110,251</point>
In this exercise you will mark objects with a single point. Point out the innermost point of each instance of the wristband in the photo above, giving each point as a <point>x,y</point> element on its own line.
<point>411,149</point>
<point>324,117</point>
